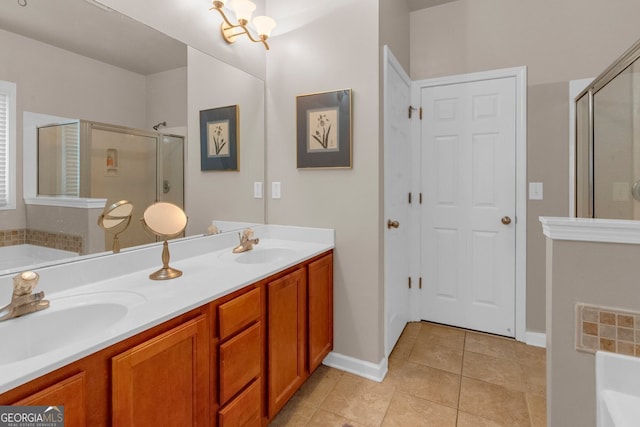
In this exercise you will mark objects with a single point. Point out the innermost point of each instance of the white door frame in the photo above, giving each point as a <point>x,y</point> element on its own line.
<point>520,75</point>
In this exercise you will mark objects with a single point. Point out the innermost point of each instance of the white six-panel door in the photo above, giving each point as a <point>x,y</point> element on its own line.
<point>397,158</point>
<point>468,152</point>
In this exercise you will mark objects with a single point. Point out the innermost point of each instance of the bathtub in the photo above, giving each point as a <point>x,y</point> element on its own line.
<point>16,256</point>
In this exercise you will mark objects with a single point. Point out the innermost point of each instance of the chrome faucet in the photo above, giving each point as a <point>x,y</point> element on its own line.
<point>23,301</point>
<point>246,241</point>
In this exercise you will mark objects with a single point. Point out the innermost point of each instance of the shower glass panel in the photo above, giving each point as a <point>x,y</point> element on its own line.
<point>608,142</point>
<point>613,148</point>
<point>124,167</point>
<point>59,160</point>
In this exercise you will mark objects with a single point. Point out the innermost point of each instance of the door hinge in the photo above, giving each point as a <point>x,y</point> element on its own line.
<point>409,198</point>
<point>409,282</point>
<point>420,198</point>
<point>420,283</point>
<point>412,109</point>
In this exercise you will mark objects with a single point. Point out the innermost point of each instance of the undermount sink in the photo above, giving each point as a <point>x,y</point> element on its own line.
<point>617,390</point>
<point>68,320</point>
<point>260,255</point>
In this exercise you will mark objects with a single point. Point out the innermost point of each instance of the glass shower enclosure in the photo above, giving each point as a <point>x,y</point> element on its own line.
<point>608,142</point>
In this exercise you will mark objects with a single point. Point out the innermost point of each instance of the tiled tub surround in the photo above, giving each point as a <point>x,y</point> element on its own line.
<point>208,273</point>
<point>607,329</point>
<point>65,242</point>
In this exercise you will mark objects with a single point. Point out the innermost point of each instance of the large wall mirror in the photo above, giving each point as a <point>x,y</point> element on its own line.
<point>75,61</point>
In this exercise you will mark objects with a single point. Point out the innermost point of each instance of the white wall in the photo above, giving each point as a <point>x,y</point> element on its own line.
<point>323,46</point>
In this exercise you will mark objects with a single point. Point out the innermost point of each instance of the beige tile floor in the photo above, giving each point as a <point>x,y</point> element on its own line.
<point>438,376</point>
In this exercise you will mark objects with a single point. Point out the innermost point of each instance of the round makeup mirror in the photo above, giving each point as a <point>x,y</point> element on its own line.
<point>165,220</point>
<point>115,219</point>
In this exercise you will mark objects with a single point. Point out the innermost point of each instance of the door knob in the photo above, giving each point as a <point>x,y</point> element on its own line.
<point>392,224</point>
<point>506,220</point>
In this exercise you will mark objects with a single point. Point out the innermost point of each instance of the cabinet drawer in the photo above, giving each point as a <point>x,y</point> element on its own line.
<point>244,410</point>
<point>239,312</point>
<point>240,361</point>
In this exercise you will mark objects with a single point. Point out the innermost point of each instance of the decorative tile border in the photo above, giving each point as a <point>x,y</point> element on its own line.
<point>12,237</point>
<point>607,329</point>
<point>48,239</point>
<point>62,241</point>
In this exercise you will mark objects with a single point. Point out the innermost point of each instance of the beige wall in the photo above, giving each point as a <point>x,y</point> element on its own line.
<point>600,274</point>
<point>335,46</point>
<point>558,42</point>
<point>166,98</point>
<point>394,30</point>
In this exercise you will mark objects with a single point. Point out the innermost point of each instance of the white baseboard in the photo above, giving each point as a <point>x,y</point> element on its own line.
<point>537,339</point>
<point>362,368</point>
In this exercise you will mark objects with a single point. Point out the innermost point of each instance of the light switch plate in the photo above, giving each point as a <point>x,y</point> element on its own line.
<point>257,190</point>
<point>535,191</point>
<point>275,190</point>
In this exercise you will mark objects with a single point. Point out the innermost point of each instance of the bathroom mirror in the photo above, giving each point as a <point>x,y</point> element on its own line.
<point>165,220</point>
<point>123,73</point>
<point>115,219</point>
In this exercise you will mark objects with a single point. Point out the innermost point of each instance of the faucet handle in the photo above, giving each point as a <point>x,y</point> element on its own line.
<point>24,282</point>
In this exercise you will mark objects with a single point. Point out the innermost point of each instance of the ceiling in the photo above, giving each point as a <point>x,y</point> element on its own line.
<point>423,4</point>
<point>94,31</point>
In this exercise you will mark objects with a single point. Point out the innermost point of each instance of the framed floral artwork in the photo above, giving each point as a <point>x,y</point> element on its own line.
<point>324,129</point>
<point>219,139</point>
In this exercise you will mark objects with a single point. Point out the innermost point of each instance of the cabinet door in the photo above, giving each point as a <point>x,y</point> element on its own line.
<point>320,306</point>
<point>69,393</point>
<point>286,301</point>
<point>164,381</point>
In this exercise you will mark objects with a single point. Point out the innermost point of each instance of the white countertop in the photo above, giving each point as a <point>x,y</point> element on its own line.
<point>210,271</point>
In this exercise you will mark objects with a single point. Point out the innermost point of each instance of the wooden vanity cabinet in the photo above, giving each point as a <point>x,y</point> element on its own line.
<point>233,362</point>
<point>164,380</point>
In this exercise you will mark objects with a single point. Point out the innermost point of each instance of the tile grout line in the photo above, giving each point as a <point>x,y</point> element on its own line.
<point>464,343</point>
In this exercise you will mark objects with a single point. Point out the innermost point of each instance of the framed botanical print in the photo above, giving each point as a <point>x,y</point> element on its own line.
<point>219,139</point>
<point>323,122</point>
